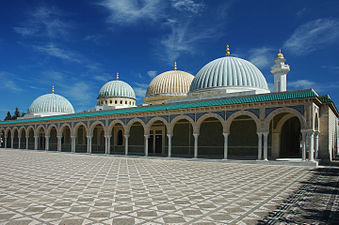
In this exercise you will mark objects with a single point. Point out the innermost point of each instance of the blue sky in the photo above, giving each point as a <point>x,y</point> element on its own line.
<point>80,45</point>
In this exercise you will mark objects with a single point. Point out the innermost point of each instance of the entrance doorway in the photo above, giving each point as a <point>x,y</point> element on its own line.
<point>156,142</point>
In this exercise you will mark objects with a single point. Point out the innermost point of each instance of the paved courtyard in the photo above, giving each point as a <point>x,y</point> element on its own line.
<point>65,188</point>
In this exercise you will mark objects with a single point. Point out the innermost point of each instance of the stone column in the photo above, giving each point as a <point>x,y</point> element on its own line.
<point>169,144</point>
<point>5,141</point>
<point>303,144</point>
<point>73,142</point>
<point>126,143</point>
<point>89,144</point>
<point>316,144</point>
<point>47,143</point>
<point>107,144</point>
<point>311,145</point>
<point>59,143</point>
<point>226,145</point>
<point>27,139</point>
<point>259,145</point>
<point>19,144</point>
<point>196,145</point>
<point>265,145</point>
<point>12,141</point>
<point>146,144</point>
<point>36,138</point>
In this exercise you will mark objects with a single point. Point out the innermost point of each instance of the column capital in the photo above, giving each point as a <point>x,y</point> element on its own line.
<point>195,134</point>
<point>146,135</point>
<point>169,135</point>
<point>226,134</point>
<point>316,133</point>
<point>265,133</point>
<point>73,136</point>
<point>126,135</point>
<point>47,137</point>
<point>36,136</point>
<point>108,136</point>
<point>89,136</point>
<point>59,136</point>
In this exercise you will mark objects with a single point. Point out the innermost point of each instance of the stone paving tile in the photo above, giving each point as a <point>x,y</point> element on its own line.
<point>62,188</point>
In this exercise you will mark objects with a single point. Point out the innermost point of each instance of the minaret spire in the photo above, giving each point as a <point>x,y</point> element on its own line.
<point>53,89</point>
<point>117,75</point>
<point>280,70</point>
<point>228,50</point>
<point>175,65</point>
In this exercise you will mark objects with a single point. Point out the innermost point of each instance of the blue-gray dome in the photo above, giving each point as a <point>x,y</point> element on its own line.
<point>229,72</point>
<point>51,103</point>
<point>117,88</point>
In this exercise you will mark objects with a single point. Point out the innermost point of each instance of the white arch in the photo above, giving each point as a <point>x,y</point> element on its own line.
<point>13,131</point>
<point>132,121</point>
<point>183,117</point>
<point>8,130</point>
<point>28,129</point>
<point>150,123</point>
<point>276,112</point>
<point>242,113</point>
<point>63,127</point>
<point>209,115</point>
<point>75,128</point>
<point>37,130</point>
<point>112,124</point>
<point>91,128</point>
<point>48,133</point>
<point>21,129</point>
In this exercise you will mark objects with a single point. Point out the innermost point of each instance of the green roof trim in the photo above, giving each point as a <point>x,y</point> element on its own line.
<point>325,98</point>
<point>185,105</point>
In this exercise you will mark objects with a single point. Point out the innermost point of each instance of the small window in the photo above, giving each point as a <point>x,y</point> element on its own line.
<point>110,101</point>
<point>120,102</point>
<point>126,102</point>
<point>106,102</point>
<point>116,102</point>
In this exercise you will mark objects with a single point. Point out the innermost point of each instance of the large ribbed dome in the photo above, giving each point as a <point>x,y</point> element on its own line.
<point>117,88</point>
<point>51,103</point>
<point>172,84</point>
<point>229,72</point>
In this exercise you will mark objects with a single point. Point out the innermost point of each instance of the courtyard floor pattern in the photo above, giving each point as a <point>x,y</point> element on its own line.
<point>63,188</point>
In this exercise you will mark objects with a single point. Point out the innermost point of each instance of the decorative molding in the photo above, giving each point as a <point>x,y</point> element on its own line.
<point>229,113</point>
<point>269,110</point>
<point>255,112</point>
<point>171,117</point>
<point>299,108</point>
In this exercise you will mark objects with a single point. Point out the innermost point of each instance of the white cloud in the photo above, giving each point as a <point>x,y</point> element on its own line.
<point>151,73</point>
<point>44,21</point>
<point>261,57</point>
<point>188,6</point>
<point>53,50</point>
<point>8,82</point>
<point>303,84</point>
<point>140,90</point>
<point>79,91</point>
<point>312,36</point>
<point>131,11</point>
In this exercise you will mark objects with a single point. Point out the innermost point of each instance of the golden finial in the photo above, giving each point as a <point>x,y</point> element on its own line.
<point>228,50</point>
<point>117,76</point>
<point>53,89</point>
<point>175,65</point>
<point>280,55</point>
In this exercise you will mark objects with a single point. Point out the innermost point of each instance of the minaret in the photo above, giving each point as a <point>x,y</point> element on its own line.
<point>280,70</point>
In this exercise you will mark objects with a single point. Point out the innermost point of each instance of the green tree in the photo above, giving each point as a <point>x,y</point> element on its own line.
<point>8,117</point>
<point>16,114</point>
<point>22,114</point>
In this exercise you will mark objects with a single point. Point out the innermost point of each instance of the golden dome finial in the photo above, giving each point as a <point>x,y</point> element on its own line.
<point>228,50</point>
<point>280,55</point>
<point>53,89</point>
<point>117,75</point>
<point>175,65</point>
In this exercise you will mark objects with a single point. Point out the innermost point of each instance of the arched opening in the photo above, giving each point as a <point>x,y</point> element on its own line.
<point>211,139</point>
<point>41,139</point>
<point>290,138</point>
<point>243,139</point>
<point>30,138</point>
<point>2,139</point>
<point>183,140</point>
<point>23,139</point>
<point>81,139</point>
<point>16,139</point>
<point>285,136</point>
<point>66,139</point>
<point>53,140</point>
<point>98,139</point>
<point>9,139</point>
<point>157,140</point>
<point>136,139</point>
<point>117,139</point>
